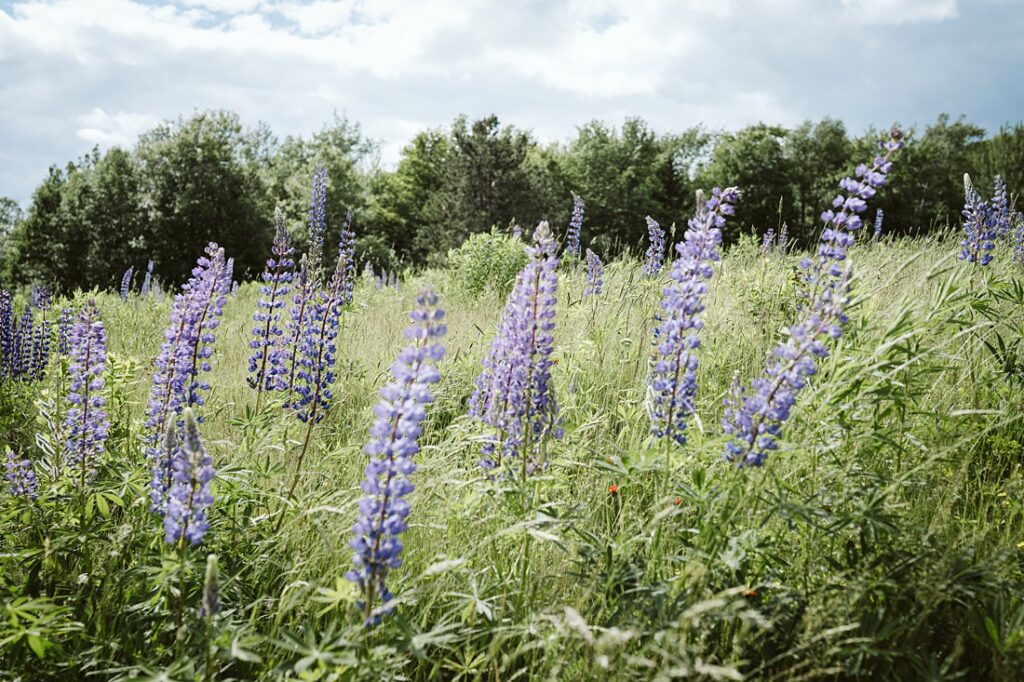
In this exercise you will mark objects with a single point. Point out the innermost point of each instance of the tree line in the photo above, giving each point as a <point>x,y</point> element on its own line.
<point>209,177</point>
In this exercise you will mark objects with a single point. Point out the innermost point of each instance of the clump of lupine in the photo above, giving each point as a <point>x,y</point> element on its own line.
<point>513,393</point>
<point>768,241</point>
<point>7,331</point>
<point>879,218</point>
<point>672,381</point>
<point>655,255</point>
<point>317,222</point>
<point>21,477</point>
<point>183,358</point>
<point>24,344</point>
<point>347,253</point>
<point>86,422</point>
<point>754,418</point>
<point>393,443</point>
<point>595,275</point>
<point>572,236</point>
<point>189,495</point>
<point>126,282</point>
<point>147,280</point>
<point>980,227</point>
<point>267,364</point>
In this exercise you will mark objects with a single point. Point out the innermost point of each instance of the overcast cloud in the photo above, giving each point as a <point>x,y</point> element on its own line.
<point>78,73</point>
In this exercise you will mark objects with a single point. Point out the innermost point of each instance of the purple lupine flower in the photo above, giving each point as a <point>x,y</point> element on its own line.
<point>879,218</point>
<point>315,368</point>
<point>768,241</point>
<point>7,333</point>
<point>302,298</point>
<point>672,383</point>
<point>317,221</point>
<point>21,345</point>
<point>1003,216</point>
<point>183,357</point>
<point>64,325</point>
<point>86,420</point>
<point>1018,237</point>
<point>21,477</point>
<point>42,336</point>
<point>126,282</point>
<point>267,364</point>
<point>655,255</point>
<point>147,281</point>
<point>783,241</point>
<point>513,393</point>
<point>754,417</point>
<point>517,231</point>
<point>595,275</point>
<point>189,495</point>
<point>572,236</point>
<point>347,253</point>
<point>40,297</point>
<point>980,227</point>
<point>392,445</point>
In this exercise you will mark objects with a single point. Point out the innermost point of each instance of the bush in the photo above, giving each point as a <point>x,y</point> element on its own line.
<point>487,262</point>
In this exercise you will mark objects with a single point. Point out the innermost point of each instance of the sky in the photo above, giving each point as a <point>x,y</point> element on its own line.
<point>79,73</point>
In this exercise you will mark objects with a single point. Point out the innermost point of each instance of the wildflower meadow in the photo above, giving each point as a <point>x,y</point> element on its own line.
<point>538,460</point>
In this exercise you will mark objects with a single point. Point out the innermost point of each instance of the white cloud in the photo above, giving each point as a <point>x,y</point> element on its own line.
<point>117,128</point>
<point>900,11</point>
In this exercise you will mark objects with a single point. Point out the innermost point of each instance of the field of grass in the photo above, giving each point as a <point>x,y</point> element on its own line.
<point>883,540</point>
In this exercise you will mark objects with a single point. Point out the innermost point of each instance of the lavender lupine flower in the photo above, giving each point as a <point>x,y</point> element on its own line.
<point>302,298</point>
<point>183,357</point>
<point>147,281</point>
<point>768,241</point>
<point>317,221</point>
<point>980,227</point>
<point>392,445</point>
<point>1003,216</point>
<point>21,345</point>
<point>672,383</point>
<point>41,297</point>
<point>21,477</point>
<point>267,364</point>
<point>315,373</point>
<point>64,325</point>
<point>347,252</point>
<point>126,282</point>
<point>655,249</point>
<point>879,218</point>
<point>517,231</point>
<point>7,332</point>
<point>783,240</point>
<point>86,420</point>
<point>189,496</point>
<point>595,275</point>
<point>513,393</point>
<point>572,236</point>
<point>754,417</point>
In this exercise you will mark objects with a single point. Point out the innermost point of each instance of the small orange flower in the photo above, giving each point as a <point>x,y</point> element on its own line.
<point>613,489</point>
<point>750,594</point>
<point>679,501</point>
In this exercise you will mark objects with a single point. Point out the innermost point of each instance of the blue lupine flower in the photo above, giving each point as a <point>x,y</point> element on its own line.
<point>673,378</point>
<point>40,358</point>
<point>655,255</point>
<point>7,332</point>
<point>879,217</point>
<point>754,417</point>
<point>268,362</point>
<point>317,221</point>
<point>572,236</point>
<point>21,477</point>
<point>1002,215</point>
<point>1018,237</point>
<point>768,241</point>
<point>513,393</point>
<point>184,357</point>
<point>86,420</point>
<point>393,443</point>
<point>347,253</point>
<point>980,227</point>
<point>595,275</point>
<point>126,282</point>
<point>64,325</point>
<point>189,495</point>
<point>147,281</point>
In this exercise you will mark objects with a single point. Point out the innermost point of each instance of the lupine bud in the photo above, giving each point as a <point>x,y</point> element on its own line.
<point>210,605</point>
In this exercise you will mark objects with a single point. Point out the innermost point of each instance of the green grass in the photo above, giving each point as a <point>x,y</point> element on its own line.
<point>882,540</point>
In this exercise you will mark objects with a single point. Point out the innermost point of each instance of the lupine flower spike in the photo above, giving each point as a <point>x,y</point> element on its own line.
<point>86,420</point>
<point>7,332</point>
<point>317,222</point>
<point>754,417</point>
<point>879,218</point>
<point>1003,216</point>
<point>655,248</point>
<point>347,253</point>
<point>513,393</point>
<point>267,364</point>
<point>980,228</point>
<point>672,382</point>
<point>783,240</point>
<point>392,446</point>
<point>768,241</point>
<point>126,283</point>
<point>595,275</point>
<point>572,237</point>
<point>189,496</point>
<point>147,280</point>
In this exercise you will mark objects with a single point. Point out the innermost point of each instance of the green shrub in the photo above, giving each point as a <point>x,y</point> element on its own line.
<point>487,262</point>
